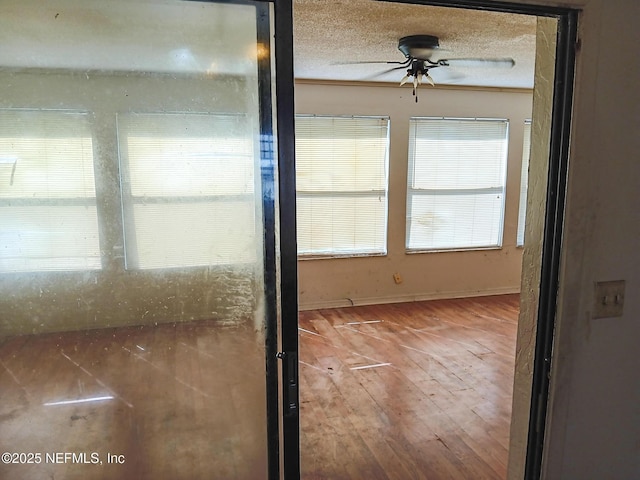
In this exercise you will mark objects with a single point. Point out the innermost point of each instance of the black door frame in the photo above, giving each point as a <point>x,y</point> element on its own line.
<point>285,111</point>
<point>277,153</point>
<point>268,179</point>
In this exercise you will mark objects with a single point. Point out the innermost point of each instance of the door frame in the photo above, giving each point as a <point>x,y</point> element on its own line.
<point>285,114</point>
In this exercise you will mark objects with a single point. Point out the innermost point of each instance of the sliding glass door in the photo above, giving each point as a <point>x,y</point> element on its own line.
<point>138,248</point>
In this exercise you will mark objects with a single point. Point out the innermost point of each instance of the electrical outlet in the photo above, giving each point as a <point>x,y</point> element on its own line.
<point>397,278</point>
<point>608,299</point>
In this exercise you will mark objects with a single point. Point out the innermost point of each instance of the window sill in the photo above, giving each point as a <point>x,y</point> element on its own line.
<point>331,256</point>
<point>447,250</point>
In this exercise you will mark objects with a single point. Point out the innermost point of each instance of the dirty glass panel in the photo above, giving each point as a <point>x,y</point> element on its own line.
<point>131,241</point>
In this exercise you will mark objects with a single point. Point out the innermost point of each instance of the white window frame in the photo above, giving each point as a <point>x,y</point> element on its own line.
<point>375,231</point>
<point>498,188</point>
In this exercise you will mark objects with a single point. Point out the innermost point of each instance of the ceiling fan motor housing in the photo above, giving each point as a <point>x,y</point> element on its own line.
<point>418,46</point>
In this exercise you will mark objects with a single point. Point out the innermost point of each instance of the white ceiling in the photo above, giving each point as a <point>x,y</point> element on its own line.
<point>328,34</point>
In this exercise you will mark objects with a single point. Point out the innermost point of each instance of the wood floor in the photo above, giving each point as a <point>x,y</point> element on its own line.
<point>176,402</point>
<point>408,391</point>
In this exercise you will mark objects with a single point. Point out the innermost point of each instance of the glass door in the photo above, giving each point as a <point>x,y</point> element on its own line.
<point>138,249</point>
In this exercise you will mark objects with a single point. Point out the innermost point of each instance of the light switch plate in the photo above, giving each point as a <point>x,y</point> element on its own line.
<point>608,299</point>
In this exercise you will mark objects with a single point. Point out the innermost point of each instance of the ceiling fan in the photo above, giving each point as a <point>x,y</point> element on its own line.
<point>418,50</point>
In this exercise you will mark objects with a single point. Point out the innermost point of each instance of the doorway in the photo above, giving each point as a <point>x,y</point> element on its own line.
<point>547,216</point>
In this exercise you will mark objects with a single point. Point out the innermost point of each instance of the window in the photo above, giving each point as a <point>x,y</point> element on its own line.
<point>341,174</point>
<point>456,183</point>
<point>48,217</point>
<point>188,190</point>
<point>524,179</point>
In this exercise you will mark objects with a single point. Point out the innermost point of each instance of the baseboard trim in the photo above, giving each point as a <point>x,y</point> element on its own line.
<point>355,302</point>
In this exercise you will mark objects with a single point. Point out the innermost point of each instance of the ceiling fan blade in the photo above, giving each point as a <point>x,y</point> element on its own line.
<point>406,62</point>
<point>384,72</point>
<point>448,76</point>
<point>478,62</point>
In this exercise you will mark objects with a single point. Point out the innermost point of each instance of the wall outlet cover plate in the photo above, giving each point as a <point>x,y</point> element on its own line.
<point>608,299</point>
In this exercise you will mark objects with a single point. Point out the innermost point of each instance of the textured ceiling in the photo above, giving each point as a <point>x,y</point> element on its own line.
<point>328,34</point>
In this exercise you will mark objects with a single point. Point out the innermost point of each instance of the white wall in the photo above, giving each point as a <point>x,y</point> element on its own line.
<point>346,281</point>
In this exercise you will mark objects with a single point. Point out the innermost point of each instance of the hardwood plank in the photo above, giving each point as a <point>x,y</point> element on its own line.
<point>426,386</point>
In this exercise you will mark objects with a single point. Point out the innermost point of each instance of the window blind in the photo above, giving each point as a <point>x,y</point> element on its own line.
<point>341,176</point>
<point>48,217</point>
<point>188,190</point>
<point>456,183</point>
<point>524,180</point>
